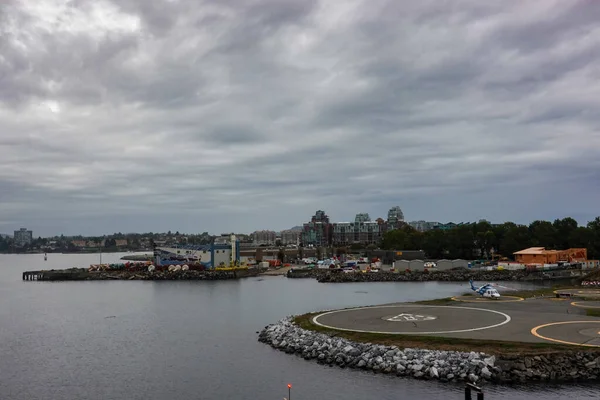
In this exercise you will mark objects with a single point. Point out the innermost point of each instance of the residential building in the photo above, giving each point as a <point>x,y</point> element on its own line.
<point>317,232</point>
<point>423,226</point>
<point>362,217</point>
<point>395,218</point>
<point>446,227</point>
<point>362,230</point>
<point>23,237</point>
<point>290,237</point>
<point>264,238</point>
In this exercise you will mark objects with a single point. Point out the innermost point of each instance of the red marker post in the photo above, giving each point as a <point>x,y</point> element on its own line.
<point>289,391</point>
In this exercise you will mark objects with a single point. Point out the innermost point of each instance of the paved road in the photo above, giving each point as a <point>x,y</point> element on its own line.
<point>471,317</point>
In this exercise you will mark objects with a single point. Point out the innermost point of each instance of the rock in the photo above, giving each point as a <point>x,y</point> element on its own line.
<point>490,361</point>
<point>485,373</point>
<point>429,364</point>
<point>417,367</point>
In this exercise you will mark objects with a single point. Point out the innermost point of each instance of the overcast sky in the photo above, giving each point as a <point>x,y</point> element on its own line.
<point>238,115</point>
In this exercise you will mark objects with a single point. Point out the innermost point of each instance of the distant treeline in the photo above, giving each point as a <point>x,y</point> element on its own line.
<point>483,240</point>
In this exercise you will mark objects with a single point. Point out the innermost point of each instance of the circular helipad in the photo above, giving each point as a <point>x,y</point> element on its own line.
<point>479,299</point>
<point>586,304</point>
<point>590,293</point>
<point>579,333</point>
<point>412,319</point>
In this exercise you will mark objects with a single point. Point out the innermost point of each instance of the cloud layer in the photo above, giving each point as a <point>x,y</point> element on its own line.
<point>237,115</point>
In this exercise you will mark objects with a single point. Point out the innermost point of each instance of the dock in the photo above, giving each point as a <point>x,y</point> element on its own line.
<point>73,274</point>
<point>33,275</point>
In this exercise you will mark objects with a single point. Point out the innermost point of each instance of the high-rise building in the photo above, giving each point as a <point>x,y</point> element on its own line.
<point>318,231</point>
<point>395,218</point>
<point>359,231</point>
<point>362,217</point>
<point>23,237</point>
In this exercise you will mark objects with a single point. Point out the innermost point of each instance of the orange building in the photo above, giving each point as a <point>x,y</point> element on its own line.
<point>539,255</point>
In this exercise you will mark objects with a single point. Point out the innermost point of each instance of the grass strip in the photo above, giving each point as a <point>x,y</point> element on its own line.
<point>496,347</point>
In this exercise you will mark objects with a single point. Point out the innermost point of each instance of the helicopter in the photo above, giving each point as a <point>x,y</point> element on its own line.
<point>488,290</point>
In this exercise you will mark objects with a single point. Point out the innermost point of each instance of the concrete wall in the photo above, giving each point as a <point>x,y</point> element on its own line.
<point>417,265</point>
<point>402,265</point>
<point>444,265</point>
<point>460,263</point>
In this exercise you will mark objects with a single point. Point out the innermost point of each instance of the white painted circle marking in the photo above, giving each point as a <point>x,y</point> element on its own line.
<point>506,320</point>
<point>409,318</point>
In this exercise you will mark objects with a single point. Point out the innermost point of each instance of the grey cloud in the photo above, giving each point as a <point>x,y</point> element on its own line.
<point>233,134</point>
<point>241,115</point>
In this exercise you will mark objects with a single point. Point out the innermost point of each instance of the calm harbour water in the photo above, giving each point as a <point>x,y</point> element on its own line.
<point>191,340</point>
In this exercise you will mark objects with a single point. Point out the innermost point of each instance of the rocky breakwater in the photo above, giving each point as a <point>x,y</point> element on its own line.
<point>445,366</point>
<point>188,275</point>
<point>453,275</point>
<point>81,274</point>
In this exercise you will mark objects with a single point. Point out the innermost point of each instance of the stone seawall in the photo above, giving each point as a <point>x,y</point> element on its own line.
<point>82,274</point>
<point>445,366</point>
<point>454,275</point>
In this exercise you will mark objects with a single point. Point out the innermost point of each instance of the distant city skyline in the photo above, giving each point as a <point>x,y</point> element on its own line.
<point>581,222</point>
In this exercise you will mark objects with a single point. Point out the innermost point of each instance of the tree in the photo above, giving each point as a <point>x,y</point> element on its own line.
<point>543,234</point>
<point>340,251</point>
<point>582,237</point>
<point>516,238</point>
<point>564,227</point>
<point>435,244</point>
<point>281,255</point>
<point>594,228</point>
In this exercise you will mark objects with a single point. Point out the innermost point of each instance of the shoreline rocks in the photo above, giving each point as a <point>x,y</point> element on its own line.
<point>453,275</point>
<point>444,366</point>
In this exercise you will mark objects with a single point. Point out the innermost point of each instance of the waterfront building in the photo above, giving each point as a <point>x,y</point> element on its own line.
<point>264,238</point>
<point>211,255</point>
<point>318,232</point>
<point>539,255</point>
<point>23,237</point>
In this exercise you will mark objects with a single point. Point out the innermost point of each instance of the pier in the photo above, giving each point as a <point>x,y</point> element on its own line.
<point>33,275</point>
<point>72,274</point>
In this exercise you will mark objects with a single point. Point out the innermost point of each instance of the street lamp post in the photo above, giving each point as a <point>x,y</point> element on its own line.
<point>289,391</point>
